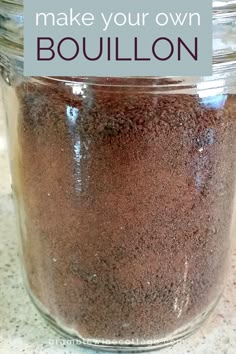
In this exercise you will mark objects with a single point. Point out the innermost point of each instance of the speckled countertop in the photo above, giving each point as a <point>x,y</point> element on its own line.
<point>22,330</point>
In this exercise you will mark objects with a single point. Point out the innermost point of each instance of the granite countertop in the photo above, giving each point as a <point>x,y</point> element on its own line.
<point>22,330</point>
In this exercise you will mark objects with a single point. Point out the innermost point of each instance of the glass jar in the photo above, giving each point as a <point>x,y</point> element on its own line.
<point>124,191</point>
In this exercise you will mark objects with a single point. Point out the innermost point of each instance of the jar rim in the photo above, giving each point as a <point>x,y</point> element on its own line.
<point>220,83</point>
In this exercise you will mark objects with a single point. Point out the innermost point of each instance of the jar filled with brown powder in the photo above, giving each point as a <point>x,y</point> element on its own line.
<point>124,191</point>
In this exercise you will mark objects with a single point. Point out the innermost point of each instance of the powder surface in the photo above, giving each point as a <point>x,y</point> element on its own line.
<point>127,200</point>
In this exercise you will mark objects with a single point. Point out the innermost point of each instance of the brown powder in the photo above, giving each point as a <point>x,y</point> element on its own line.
<point>127,199</point>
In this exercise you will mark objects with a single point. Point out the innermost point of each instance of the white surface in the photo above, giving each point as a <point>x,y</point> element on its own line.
<point>22,330</point>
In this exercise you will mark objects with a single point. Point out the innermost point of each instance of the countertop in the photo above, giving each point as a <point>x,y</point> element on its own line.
<point>22,330</point>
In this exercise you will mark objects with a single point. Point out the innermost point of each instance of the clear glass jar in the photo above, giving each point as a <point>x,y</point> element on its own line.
<point>124,191</point>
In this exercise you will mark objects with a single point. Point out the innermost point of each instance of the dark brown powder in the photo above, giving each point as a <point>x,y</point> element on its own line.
<point>127,206</point>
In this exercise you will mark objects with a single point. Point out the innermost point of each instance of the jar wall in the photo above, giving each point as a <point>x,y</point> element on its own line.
<point>124,198</point>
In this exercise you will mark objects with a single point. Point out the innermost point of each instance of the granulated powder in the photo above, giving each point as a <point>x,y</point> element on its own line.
<point>127,206</point>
